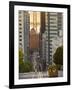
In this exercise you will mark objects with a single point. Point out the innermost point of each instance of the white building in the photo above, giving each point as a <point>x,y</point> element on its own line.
<point>52,35</point>
<point>21,28</point>
<point>24,27</point>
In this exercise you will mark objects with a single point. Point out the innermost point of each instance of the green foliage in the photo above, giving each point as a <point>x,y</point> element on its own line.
<point>24,66</point>
<point>21,55</point>
<point>58,57</point>
<point>27,66</point>
<point>59,66</point>
<point>20,61</point>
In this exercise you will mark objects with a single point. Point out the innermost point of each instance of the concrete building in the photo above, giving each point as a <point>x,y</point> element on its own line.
<point>24,27</point>
<point>43,47</point>
<point>21,28</point>
<point>34,40</point>
<point>52,32</point>
<point>53,28</point>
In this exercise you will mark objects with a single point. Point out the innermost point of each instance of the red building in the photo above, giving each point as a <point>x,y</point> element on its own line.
<point>34,39</point>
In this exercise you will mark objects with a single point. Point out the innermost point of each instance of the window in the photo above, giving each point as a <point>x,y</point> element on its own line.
<point>20,35</point>
<point>20,32</point>
<point>20,24</point>
<point>20,28</point>
<point>20,44</point>
<point>20,39</point>
<point>20,16</point>
<point>19,20</point>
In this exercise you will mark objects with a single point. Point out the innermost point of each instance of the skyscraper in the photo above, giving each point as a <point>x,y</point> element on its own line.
<point>34,40</point>
<point>21,28</point>
<point>42,29</point>
<point>53,23</point>
<point>60,24</point>
<point>45,41</point>
<point>52,32</point>
<point>42,16</point>
<point>34,30</point>
<point>24,27</point>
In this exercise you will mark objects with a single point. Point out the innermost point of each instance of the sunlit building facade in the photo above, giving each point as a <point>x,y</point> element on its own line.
<point>34,30</point>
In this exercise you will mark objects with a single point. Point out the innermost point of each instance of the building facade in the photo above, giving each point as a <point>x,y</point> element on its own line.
<point>24,27</point>
<point>53,28</point>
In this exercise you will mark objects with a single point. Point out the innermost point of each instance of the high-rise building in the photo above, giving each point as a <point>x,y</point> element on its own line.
<point>56,26</point>
<point>52,32</point>
<point>43,46</point>
<point>21,28</point>
<point>60,24</point>
<point>24,27</point>
<point>42,29</point>
<point>53,25</point>
<point>34,40</point>
<point>34,30</point>
<point>43,52</point>
<point>42,20</point>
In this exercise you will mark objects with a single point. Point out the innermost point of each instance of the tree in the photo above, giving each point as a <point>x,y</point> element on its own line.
<point>21,63</point>
<point>21,55</point>
<point>58,56</point>
<point>24,65</point>
<point>27,67</point>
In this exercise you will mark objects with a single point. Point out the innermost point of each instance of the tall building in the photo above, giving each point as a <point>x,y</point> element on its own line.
<point>43,46</point>
<point>52,32</point>
<point>42,20</point>
<point>35,21</point>
<point>60,24</point>
<point>21,28</point>
<point>42,37</point>
<point>24,27</point>
<point>34,30</point>
<point>53,25</point>
<point>34,40</point>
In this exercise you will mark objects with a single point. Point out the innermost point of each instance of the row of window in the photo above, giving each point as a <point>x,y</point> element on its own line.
<point>20,44</point>
<point>20,20</point>
<point>53,26</point>
<point>20,24</point>
<point>20,28</point>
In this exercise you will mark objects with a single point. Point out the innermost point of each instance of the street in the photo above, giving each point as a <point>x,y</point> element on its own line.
<point>37,75</point>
